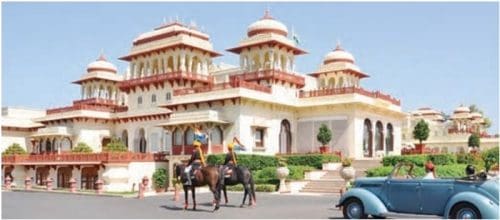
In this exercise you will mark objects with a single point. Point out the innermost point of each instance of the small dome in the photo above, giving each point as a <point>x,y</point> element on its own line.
<point>267,24</point>
<point>476,115</point>
<point>101,64</point>
<point>461,109</point>
<point>338,55</point>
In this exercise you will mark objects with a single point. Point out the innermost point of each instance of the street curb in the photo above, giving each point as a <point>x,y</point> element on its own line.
<point>67,192</point>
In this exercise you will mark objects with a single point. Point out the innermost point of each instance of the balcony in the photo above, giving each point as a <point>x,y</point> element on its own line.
<point>81,158</point>
<point>111,109</point>
<point>234,83</point>
<point>272,75</point>
<point>159,79</point>
<point>94,101</point>
<point>348,90</point>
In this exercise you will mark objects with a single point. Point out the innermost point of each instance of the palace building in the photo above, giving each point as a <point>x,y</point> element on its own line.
<point>173,86</point>
<point>448,134</point>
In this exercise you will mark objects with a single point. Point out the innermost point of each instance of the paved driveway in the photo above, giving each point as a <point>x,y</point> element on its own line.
<point>269,206</point>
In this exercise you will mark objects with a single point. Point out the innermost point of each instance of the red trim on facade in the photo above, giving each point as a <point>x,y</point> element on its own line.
<point>348,71</point>
<point>145,82</point>
<point>348,90</point>
<point>53,159</point>
<point>32,129</point>
<point>101,69</point>
<point>266,30</point>
<point>178,45</point>
<point>338,60</point>
<point>167,35</point>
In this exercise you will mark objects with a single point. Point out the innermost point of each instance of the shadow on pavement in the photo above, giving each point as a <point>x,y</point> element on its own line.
<point>175,208</point>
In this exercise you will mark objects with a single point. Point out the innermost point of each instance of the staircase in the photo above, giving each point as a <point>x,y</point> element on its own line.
<point>331,182</point>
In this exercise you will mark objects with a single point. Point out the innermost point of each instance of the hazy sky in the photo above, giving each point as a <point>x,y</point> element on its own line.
<point>438,55</point>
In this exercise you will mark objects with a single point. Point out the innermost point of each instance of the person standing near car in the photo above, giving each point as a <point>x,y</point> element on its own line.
<point>429,171</point>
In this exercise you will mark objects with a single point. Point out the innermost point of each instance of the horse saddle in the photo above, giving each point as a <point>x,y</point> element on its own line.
<point>228,173</point>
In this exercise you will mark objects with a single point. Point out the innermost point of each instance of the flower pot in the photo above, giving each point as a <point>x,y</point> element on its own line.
<point>347,173</point>
<point>160,190</point>
<point>419,148</point>
<point>324,149</point>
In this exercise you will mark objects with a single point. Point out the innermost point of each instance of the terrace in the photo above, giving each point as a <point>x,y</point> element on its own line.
<point>349,90</point>
<point>81,158</point>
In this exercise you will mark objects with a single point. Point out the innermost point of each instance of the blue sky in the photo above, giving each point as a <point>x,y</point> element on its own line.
<point>437,55</point>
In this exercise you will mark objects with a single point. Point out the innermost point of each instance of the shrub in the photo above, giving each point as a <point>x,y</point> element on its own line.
<point>474,140</point>
<point>442,159</point>
<point>266,176</point>
<point>116,145</point>
<point>346,162</point>
<point>82,147</point>
<point>160,178</point>
<point>443,171</point>
<point>258,188</point>
<point>297,172</point>
<point>312,160</point>
<point>421,131</point>
<point>251,161</point>
<point>490,157</point>
<point>418,160</point>
<point>13,149</point>
<point>472,159</point>
<point>324,135</point>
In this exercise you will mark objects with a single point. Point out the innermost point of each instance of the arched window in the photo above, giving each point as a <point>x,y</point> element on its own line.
<point>285,137</point>
<point>153,98</point>
<point>66,144</point>
<point>331,83</point>
<point>48,146</point>
<point>341,82</point>
<point>177,137</point>
<point>379,136</point>
<point>367,138</point>
<point>139,100</point>
<point>125,137</point>
<point>216,136</point>
<point>168,97</point>
<point>189,136</point>
<point>142,141</point>
<point>389,144</point>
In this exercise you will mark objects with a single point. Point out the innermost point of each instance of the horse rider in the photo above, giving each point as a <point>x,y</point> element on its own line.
<point>231,159</point>
<point>197,159</point>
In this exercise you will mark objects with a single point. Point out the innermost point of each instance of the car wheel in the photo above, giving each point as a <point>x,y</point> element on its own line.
<point>465,211</point>
<point>353,209</point>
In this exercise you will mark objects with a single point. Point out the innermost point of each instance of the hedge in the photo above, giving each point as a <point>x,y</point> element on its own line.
<point>443,171</point>
<point>258,188</point>
<point>490,157</point>
<point>312,160</point>
<point>420,160</point>
<point>251,161</point>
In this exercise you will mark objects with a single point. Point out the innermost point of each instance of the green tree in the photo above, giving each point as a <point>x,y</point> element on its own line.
<point>421,131</point>
<point>490,157</point>
<point>474,140</point>
<point>115,145</point>
<point>160,178</point>
<point>13,149</point>
<point>325,135</point>
<point>487,121</point>
<point>82,147</point>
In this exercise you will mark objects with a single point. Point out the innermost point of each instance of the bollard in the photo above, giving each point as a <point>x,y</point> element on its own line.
<point>72,185</point>
<point>145,182</point>
<point>141,191</point>
<point>99,184</point>
<point>27,183</point>
<point>8,182</point>
<point>49,184</point>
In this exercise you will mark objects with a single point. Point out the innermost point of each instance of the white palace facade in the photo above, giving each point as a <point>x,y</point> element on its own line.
<point>172,86</point>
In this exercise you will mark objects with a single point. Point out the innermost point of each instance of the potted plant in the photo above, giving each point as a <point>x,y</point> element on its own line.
<point>347,172</point>
<point>160,179</point>
<point>421,133</point>
<point>324,137</point>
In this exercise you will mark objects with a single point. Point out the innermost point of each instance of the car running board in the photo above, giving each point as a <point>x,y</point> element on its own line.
<point>405,215</point>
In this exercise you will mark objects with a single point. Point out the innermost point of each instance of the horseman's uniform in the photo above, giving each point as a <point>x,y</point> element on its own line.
<point>197,159</point>
<point>231,159</point>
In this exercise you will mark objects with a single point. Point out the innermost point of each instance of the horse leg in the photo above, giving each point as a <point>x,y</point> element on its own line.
<point>225,193</point>
<point>253,200</point>
<point>194,197</point>
<point>216,191</point>
<point>185,197</point>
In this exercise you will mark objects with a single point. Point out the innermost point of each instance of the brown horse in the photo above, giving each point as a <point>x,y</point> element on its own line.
<point>208,175</point>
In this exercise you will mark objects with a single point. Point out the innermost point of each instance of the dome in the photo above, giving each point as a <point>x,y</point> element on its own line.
<point>267,24</point>
<point>476,115</point>
<point>338,55</point>
<point>461,109</point>
<point>101,64</point>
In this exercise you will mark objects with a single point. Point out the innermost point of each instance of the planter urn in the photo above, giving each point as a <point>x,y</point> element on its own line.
<point>347,173</point>
<point>282,173</point>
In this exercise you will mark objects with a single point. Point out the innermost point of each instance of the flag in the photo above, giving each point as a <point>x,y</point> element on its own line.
<point>295,37</point>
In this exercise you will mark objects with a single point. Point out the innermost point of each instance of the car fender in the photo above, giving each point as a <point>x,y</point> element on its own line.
<point>487,207</point>
<point>371,203</point>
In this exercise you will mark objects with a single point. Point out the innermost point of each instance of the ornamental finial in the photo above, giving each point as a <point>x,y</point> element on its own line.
<point>338,46</point>
<point>267,14</point>
<point>101,55</point>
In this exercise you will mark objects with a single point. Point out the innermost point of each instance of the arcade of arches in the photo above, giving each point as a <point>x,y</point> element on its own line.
<point>383,138</point>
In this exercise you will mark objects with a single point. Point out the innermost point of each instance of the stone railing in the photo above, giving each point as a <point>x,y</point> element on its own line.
<point>234,83</point>
<point>80,106</point>
<point>94,101</point>
<point>160,78</point>
<point>272,74</point>
<point>348,90</point>
<point>103,157</point>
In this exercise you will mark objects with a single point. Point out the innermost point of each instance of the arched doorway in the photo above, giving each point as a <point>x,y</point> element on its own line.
<point>367,139</point>
<point>389,145</point>
<point>66,144</point>
<point>8,172</point>
<point>63,177</point>
<point>142,141</point>
<point>125,138</point>
<point>188,137</point>
<point>285,137</point>
<point>48,146</point>
<point>88,177</point>
<point>41,175</point>
<point>379,136</point>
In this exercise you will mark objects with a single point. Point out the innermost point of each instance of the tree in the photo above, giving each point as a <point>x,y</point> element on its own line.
<point>490,157</point>
<point>325,135</point>
<point>13,149</point>
<point>487,121</point>
<point>160,178</point>
<point>82,147</point>
<point>474,140</point>
<point>115,145</point>
<point>421,131</point>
